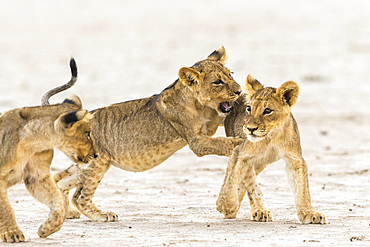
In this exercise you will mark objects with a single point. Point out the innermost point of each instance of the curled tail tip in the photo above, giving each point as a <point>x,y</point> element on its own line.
<point>45,100</point>
<point>72,64</point>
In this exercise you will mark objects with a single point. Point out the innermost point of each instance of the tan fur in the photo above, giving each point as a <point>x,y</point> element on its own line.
<point>140,134</point>
<point>263,118</point>
<point>28,137</point>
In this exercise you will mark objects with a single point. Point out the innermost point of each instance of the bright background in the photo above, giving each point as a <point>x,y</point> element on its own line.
<point>131,49</point>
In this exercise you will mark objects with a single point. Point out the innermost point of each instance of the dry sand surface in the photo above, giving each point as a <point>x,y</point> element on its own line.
<point>131,49</point>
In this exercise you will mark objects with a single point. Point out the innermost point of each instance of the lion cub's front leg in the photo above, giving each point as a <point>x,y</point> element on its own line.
<point>228,201</point>
<point>259,212</point>
<point>45,190</point>
<point>240,179</point>
<point>9,231</point>
<point>206,145</point>
<point>298,178</point>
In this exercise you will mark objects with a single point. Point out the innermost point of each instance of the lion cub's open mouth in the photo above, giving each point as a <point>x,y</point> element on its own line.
<point>225,107</point>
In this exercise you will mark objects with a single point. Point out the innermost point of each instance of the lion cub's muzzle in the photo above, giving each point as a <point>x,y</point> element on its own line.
<point>254,133</point>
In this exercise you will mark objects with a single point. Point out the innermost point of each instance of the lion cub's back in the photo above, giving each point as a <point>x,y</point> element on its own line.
<point>127,132</point>
<point>14,120</point>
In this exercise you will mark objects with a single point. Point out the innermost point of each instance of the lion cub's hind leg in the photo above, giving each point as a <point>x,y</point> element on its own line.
<point>88,181</point>
<point>67,180</point>
<point>40,184</point>
<point>240,179</point>
<point>9,231</point>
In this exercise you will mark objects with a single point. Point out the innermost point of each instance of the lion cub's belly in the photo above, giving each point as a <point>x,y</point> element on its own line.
<point>146,158</point>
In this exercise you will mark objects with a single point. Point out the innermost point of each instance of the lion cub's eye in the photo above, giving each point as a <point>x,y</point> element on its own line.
<point>248,109</point>
<point>218,82</point>
<point>267,111</point>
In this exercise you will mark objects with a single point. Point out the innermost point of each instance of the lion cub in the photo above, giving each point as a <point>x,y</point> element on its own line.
<point>28,136</point>
<point>270,133</point>
<point>140,134</point>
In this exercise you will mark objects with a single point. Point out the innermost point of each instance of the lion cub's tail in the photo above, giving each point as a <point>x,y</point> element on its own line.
<point>47,95</point>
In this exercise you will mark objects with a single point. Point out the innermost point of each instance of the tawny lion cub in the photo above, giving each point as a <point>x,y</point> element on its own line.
<point>270,133</point>
<point>28,136</point>
<point>140,134</point>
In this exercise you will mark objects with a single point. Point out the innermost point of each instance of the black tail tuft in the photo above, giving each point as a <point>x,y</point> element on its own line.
<point>73,66</point>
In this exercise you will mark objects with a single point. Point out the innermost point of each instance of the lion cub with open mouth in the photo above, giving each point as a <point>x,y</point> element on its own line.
<point>28,136</point>
<point>263,119</point>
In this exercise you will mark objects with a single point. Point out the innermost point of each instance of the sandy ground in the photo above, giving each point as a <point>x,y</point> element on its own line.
<point>132,49</point>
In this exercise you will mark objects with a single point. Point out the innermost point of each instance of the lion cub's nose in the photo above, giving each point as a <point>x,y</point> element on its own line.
<point>252,129</point>
<point>238,92</point>
<point>95,156</point>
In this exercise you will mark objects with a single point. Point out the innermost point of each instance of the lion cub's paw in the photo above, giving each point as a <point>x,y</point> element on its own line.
<point>14,236</point>
<point>228,213</point>
<point>105,217</point>
<point>234,141</point>
<point>229,210</point>
<point>48,228</point>
<point>73,213</point>
<point>111,217</point>
<point>311,217</point>
<point>261,215</point>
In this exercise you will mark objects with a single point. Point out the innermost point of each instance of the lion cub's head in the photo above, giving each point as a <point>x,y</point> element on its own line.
<point>74,135</point>
<point>267,108</point>
<point>211,82</point>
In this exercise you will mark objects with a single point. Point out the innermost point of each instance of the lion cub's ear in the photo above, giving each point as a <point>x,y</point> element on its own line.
<point>252,85</point>
<point>65,121</point>
<point>288,93</point>
<point>75,100</point>
<point>218,55</point>
<point>189,76</point>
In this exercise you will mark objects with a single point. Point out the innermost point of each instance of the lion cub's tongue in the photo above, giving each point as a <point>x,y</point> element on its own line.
<point>225,106</point>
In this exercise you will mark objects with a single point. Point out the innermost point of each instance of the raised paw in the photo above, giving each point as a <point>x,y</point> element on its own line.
<point>14,236</point>
<point>311,217</point>
<point>52,224</point>
<point>231,144</point>
<point>261,215</point>
<point>48,228</point>
<point>237,141</point>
